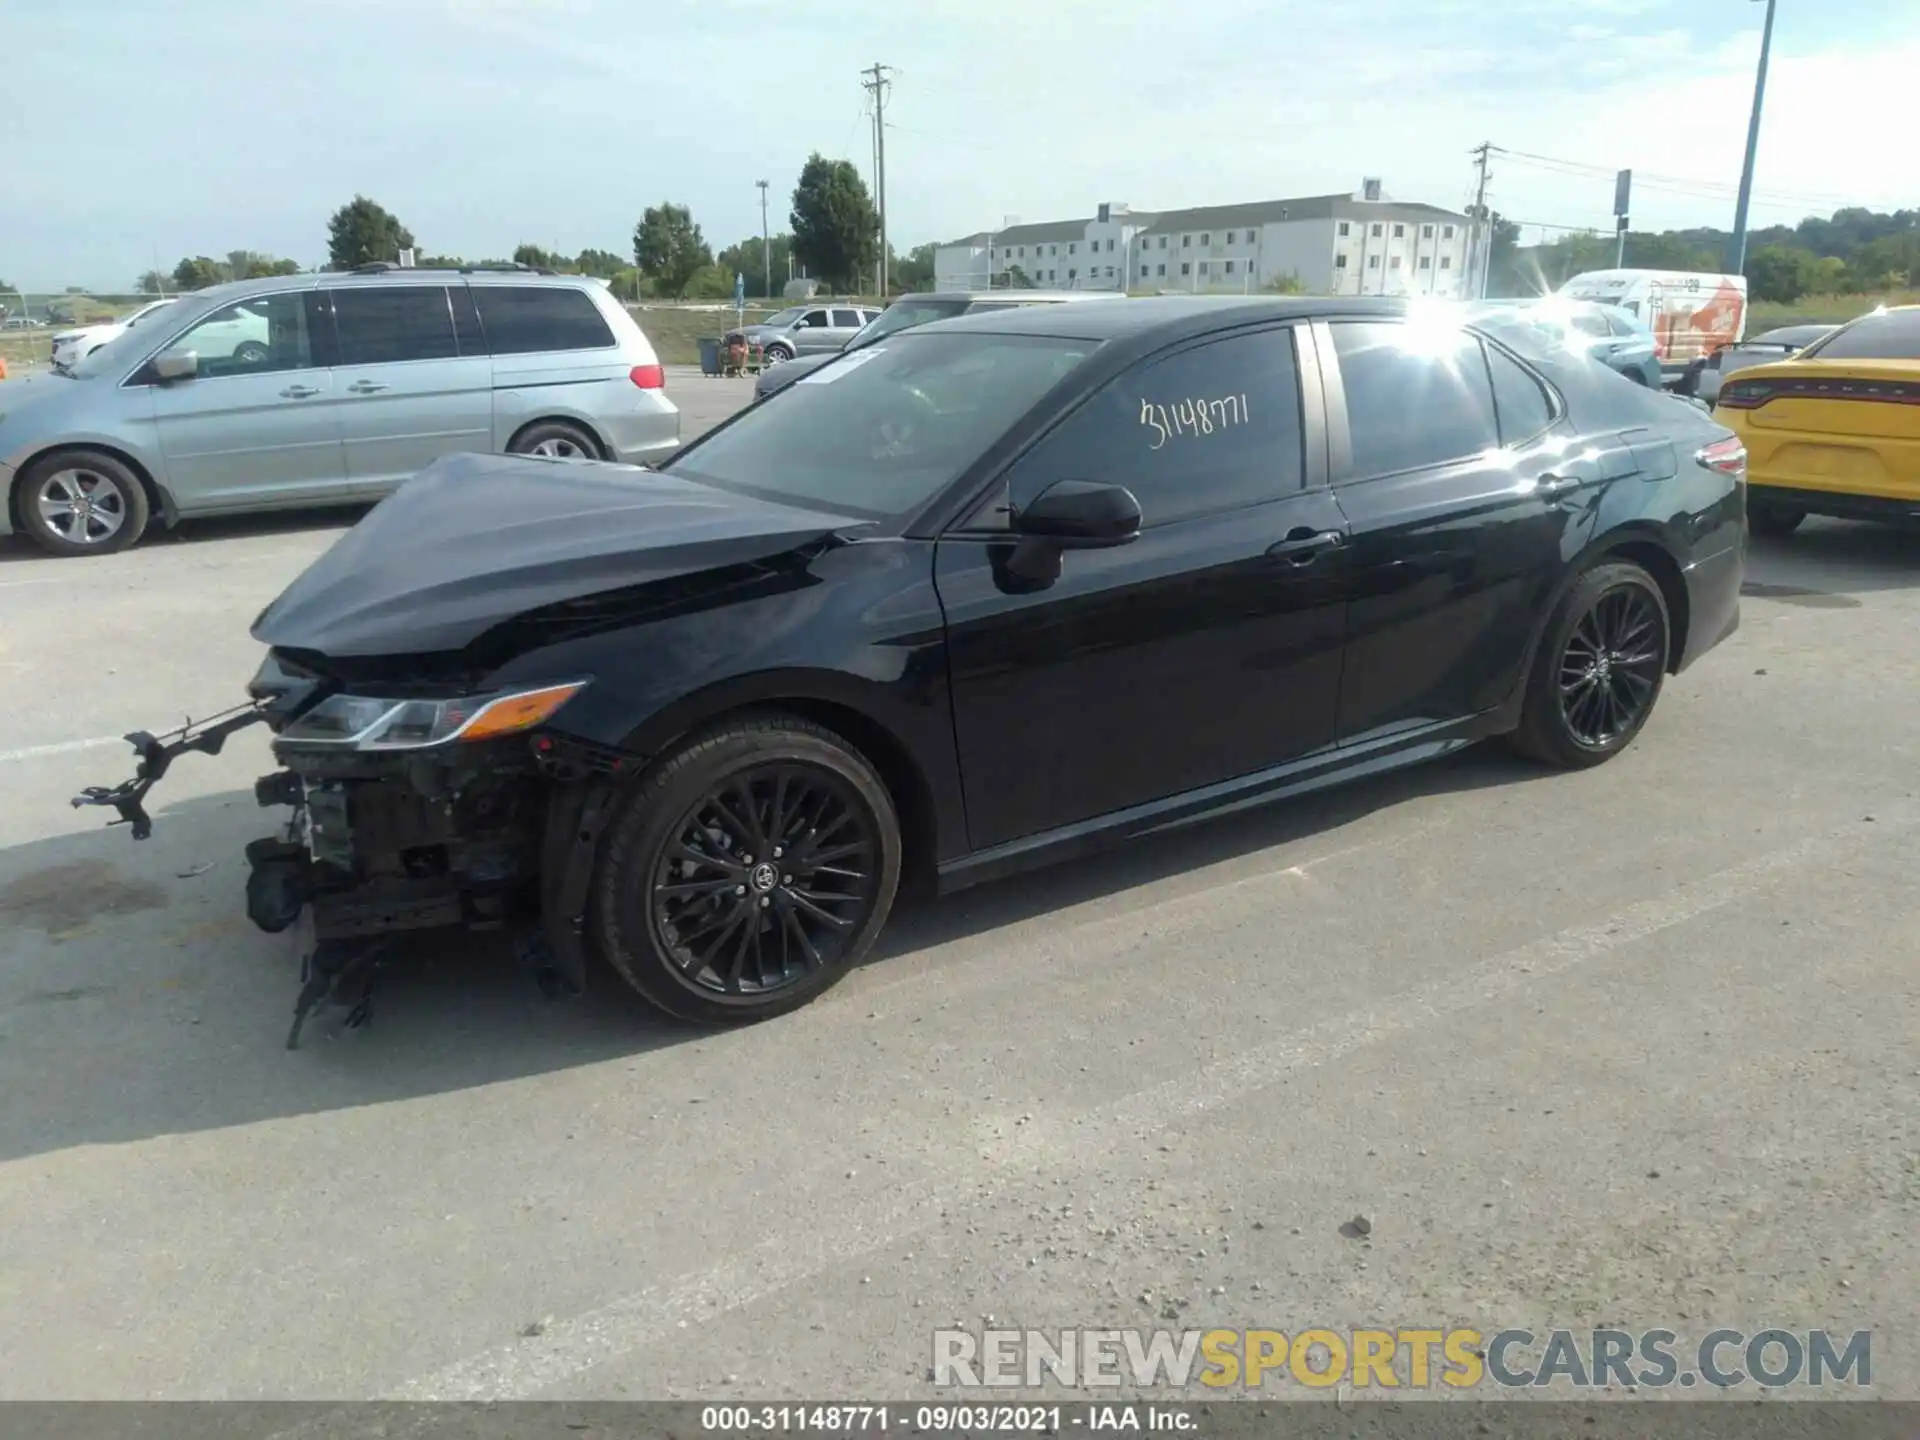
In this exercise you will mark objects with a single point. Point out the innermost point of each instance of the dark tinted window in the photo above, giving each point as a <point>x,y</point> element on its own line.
<point>380,324</point>
<point>466,321</point>
<point>1523,406</point>
<point>1893,335</point>
<point>881,431</point>
<point>1206,429</point>
<point>527,319</point>
<point>847,320</point>
<point>1417,395</point>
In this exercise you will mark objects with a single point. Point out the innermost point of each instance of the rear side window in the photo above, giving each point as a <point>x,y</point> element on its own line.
<point>1523,407</point>
<point>1212,428</point>
<point>1893,335</point>
<point>847,320</point>
<point>530,319</point>
<point>1417,396</point>
<point>383,325</point>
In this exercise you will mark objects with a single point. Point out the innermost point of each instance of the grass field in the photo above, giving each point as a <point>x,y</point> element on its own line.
<point>675,331</point>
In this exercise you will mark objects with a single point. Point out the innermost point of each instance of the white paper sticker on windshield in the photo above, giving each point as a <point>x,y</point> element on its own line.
<point>845,365</point>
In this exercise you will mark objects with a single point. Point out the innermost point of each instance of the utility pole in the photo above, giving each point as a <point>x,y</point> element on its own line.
<point>766,238</point>
<point>1737,246</point>
<point>1482,224</point>
<point>878,84</point>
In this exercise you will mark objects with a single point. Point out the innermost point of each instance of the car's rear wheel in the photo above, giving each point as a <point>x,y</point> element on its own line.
<point>555,439</point>
<point>1599,668</point>
<point>1772,519</point>
<point>748,872</point>
<point>778,353</point>
<point>81,502</point>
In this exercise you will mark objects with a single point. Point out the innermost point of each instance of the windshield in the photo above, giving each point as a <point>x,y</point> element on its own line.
<point>784,317</point>
<point>904,315</point>
<point>1886,335</point>
<point>879,433</point>
<point>147,312</point>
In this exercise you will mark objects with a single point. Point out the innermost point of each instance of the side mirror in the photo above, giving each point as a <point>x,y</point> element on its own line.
<point>1081,515</point>
<point>171,365</point>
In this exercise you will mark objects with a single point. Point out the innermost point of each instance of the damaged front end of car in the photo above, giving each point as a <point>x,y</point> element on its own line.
<point>447,760</point>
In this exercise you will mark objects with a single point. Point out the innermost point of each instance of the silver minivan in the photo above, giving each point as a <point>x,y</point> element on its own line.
<point>319,389</point>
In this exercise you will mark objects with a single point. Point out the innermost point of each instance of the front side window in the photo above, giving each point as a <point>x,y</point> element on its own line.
<point>1418,395</point>
<point>1888,335</point>
<point>531,319</point>
<point>881,432</point>
<point>813,320</point>
<point>382,325</point>
<point>1211,428</point>
<point>260,336</point>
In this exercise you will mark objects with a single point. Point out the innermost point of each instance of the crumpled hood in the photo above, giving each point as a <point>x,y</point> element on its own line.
<point>474,540</point>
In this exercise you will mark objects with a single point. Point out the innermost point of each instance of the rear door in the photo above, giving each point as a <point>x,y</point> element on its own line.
<point>258,424</point>
<point>846,325</point>
<point>408,393</point>
<point>1446,455</point>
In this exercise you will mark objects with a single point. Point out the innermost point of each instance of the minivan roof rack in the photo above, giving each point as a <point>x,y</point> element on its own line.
<point>387,267</point>
<point>513,266</point>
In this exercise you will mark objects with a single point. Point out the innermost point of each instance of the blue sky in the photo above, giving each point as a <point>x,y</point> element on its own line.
<point>133,131</point>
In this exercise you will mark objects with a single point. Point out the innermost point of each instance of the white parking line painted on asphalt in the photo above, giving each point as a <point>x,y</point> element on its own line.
<point>570,1347</point>
<point>63,747</point>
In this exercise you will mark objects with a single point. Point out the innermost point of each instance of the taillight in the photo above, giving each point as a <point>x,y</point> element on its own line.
<point>1743,395</point>
<point>649,377</point>
<point>1728,456</point>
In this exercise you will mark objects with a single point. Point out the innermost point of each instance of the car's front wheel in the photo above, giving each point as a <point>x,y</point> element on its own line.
<point>1599,668</point>
<point>1775,521</point>
<point>81,502</point>
<point>748,872</point>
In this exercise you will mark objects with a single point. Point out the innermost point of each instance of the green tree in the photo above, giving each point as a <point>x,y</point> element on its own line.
<point>197,272</point>
<point>363,231</point>
<point>1288,284</point>
<point>539,259</point>
<point>256,265</point>
<point>836,230</point>
<point>601,263</point>
<point>1891,262</point>
<point>669,249</point>
<point>915,269</point>
<point>439,262</point>
<point>1780,272</point>
<point>151,282</point>
<point>748,257</point>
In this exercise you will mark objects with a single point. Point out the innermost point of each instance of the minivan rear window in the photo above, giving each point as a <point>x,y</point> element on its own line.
<point>530,319</point>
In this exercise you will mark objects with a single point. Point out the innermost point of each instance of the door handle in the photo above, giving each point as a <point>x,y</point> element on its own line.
<point>299,392</point>
<point>1303,547</point>
<point>365,387</point>
<point>1552,487</point>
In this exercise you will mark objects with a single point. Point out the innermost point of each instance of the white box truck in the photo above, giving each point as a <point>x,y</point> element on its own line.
<point>1691,315</point>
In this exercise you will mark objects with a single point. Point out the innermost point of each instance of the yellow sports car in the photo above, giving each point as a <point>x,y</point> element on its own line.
<point>1836,429</point>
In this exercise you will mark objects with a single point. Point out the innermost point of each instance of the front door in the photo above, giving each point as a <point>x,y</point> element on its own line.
<point>1465,500</point>
<point>1208,649</point>
<point>257,423</point>
<point>408,395</point>
<point>813,333</point>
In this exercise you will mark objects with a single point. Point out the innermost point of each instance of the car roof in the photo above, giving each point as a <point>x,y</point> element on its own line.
<point>1015,297</point>
<point>233,290</point>
<point>1159,317</point>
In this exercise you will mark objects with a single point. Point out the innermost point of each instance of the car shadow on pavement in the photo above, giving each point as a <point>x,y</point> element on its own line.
<point>214,528</point>
<point>137,1001</point>
<point>1826,562</point>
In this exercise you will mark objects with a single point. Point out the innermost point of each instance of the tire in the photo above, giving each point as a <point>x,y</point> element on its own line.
<point>249,352</point>
<point>50,495</point>
<point>1771,519</point>
<point>673,907</point>
<point>1583,704</point>
<point>777,353</point>
<point>557,440</point>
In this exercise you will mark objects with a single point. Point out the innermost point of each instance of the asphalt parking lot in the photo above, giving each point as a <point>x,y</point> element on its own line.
<point>1632,1046</point>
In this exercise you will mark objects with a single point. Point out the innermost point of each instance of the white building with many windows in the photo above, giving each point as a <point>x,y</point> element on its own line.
<point>1358,244</point>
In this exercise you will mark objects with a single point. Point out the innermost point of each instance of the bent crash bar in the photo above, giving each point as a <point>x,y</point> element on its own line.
<point>156,753</point>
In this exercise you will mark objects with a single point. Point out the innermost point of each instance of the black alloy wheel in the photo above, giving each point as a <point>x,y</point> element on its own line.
<point>766,880</point>
<point>1598,670</point>
<point>1611,666</point>
<point>749,872</point>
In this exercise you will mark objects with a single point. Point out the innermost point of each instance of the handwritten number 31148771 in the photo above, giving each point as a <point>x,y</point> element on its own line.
<point>1191,417</point>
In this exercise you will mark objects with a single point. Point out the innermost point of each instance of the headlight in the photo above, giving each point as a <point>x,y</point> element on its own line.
<point>366,722</point>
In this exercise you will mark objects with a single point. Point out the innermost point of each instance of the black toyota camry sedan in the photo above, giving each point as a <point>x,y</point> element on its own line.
<point>997,591</point>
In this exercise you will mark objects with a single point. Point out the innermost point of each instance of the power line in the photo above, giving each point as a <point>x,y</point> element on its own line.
<point>1652,180</point>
